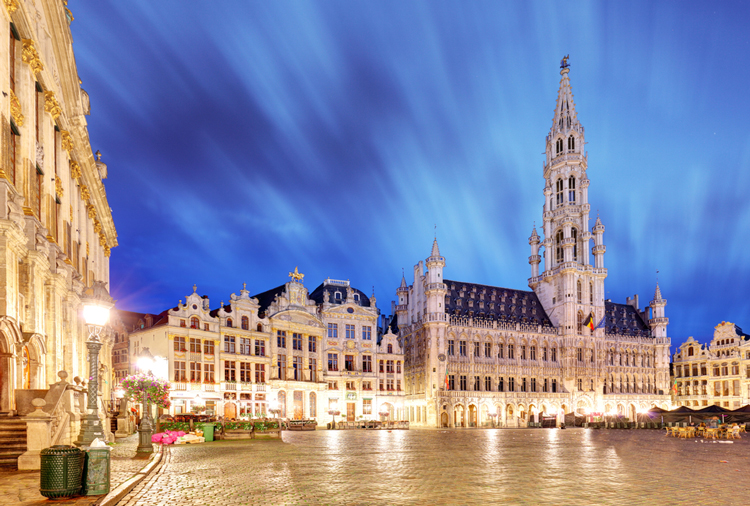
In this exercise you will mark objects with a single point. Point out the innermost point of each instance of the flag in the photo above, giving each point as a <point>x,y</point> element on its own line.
<point>601,323</point>
<point>589,322</point>
<point>674,387</point>
<point>447,383</point>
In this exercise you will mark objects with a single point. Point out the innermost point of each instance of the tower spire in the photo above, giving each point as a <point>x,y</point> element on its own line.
<point>565,118</point>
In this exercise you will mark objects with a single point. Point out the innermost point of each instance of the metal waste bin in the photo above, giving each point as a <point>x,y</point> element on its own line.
<point>96,472</point>
<point>60,475</point>
<point>208,431</point>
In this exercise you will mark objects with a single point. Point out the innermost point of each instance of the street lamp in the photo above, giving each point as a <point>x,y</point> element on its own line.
<point>146,428</point>
<point>96,305</point>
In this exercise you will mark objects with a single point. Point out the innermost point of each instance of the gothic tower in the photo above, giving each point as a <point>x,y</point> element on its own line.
<point>569,287</point>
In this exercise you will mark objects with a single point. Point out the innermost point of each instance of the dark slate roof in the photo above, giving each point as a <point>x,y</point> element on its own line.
<point>318,295</point>
<point>266,298</point>
<point>624,319</point>
<point>215,312</point>
<point>508,305</point>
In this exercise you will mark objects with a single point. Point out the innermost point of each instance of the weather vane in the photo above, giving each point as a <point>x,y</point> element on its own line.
<point>564,63</point>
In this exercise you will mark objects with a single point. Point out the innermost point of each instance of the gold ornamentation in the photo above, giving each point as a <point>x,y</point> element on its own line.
<point>107,251</point>
<point>75,169</point>
<point>58,187</point>
<point>11,6</point>
<point>97,226</point>
<point>87,248</point>
<point>102,240</point>
<point>15,109</point>
<point>31,56</point>
<point>92,211</point>
<point>85,194</point>
<point>66,140</point>
<point>296,276</point>
<point>71,213</point>
<point>51,105</point>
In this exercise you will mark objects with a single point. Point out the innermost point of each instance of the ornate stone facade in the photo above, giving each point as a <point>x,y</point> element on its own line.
<point>714,374</point>
<point>43,223</point>
<point>474,350</point>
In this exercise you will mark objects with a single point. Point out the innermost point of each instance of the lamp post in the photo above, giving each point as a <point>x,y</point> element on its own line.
<point>96,305</point>
<point>146,428</point>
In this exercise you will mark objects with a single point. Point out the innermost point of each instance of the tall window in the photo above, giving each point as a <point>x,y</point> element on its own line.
<point>488,383</point>
<point>462,348</point>
<point>390,348</point>
<point>523,352</point>
<point>574,236</point>
<point>333,362</point>
<point>229,371</point>
<point>532,351</point>
<point>571,143</point>
<point>312,365</point>
<point>554,385</point>
<point>579,354</point>
<point>312,344</point>
<point>281,338</point>
<point>500,348</point>
<point>195,345</point>
<point>559,189</point>
<point>558,246</point>
<point>245,323</point>
<point>572,189</point>
<point>260,373</point>
<point>195,323</point>
<point>398,366</point>
<point>487,350</point>
<point>366,363</point>
<point>367,333</point>
<point>558,145</point>
<point>533,384</point>
<point>349,331</point>
<point>544,353</point>
<point>579,321</point>
<point>229,344</point>
<point>333,330</point>
<point>348,362</point>
<point>451,382</point>
<point>281,365</point>
<point>451,347</point>
<point>297,368</point>
<point>579,292</point>
<point>179,371</point>
<point>179,343</point>
<point>195,371</point>
<point>511,384</point>
<point>229,322</point>
<point>381,365</point>
<point>208,347</point>
<point>476,350</point>
<point>462,381</point>
<point>297,341</point>
<point>523,384</point>
<point>260,347</point>
<point>554,354</point>
<point>510,351</point>
<point>244,346</point>
<point>591,293</point>
<point>500,386</point>
<point>245,372</point>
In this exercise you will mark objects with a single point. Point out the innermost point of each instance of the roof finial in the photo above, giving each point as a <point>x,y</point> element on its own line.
<point>564,62</point>
<point>195,288</point>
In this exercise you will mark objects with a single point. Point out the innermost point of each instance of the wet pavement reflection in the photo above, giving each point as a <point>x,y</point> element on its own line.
<point>533,466</point>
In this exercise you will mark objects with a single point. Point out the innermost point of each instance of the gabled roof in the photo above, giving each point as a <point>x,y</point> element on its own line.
<point>625,320</point>
<point>512,306</point>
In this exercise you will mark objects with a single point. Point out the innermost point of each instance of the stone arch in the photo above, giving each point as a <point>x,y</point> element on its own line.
<point>37,351</point>
<point>459,415</point>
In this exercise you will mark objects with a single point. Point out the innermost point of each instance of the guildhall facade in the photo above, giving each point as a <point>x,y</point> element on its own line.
<point>477,354</point>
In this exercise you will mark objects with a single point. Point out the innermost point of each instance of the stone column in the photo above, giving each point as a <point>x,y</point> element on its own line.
<point>38,426</point>
<point>123,420</point>
<point>91,426</point>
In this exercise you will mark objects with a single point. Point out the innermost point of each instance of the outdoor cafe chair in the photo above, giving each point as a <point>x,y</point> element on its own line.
<point>733,433</point>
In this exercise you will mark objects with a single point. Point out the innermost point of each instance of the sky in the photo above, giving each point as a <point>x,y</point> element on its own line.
<point>246,138</point>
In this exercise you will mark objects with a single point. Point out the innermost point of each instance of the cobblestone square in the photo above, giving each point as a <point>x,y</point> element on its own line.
<point>536,466</point>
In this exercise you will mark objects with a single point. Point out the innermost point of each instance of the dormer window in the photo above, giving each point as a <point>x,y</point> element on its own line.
<point>245,323</point>
<point>356,297</point>
<point>229,322</point>
<point>337,296</point>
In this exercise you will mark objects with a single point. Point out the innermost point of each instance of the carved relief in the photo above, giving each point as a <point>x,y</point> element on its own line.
<point>11,6</point>
<point>66,140</point>
<point>15,109</point>
<point>58,187</point>
<point>31,56</point>
<point>107,251</point>
<point>97,226</point>
<point>51,105</point>
<point>102,240</point>
<point>75,170</point>
<point>85,195</point>
<point>92,211</point>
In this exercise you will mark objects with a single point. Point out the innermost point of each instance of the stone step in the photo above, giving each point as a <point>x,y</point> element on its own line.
<point>15,448</point>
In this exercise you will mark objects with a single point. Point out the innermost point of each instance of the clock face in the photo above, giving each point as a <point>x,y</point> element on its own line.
<point>349,310</point>
<point>441,357</point>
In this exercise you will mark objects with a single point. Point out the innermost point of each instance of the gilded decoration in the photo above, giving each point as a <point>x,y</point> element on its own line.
<point>296,276</point>
<point>97,226</point>
<point>11,6</point>
<point>71,213</point>
<point>107,251</point>
<point>66,140</point>
<point>92,211</point>
<point>102,240</point>
<point>75,169</point>
<point>51,105</point>
<point>15,109</point>
<point>31,56</point>
<point>58,187</point>
<point>85,194</point>
<point>87,248</point>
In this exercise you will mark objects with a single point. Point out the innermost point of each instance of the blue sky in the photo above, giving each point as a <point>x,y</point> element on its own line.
<point>246,138</point>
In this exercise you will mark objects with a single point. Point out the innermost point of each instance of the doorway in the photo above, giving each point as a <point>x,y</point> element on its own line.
<point>351,409</point>
<point>230,410</point>
<point>444,420</point>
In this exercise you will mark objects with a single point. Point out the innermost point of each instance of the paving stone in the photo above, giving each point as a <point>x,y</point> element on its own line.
<point>448,467</point>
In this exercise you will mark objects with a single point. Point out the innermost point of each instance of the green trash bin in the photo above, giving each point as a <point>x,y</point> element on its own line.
<point>96,471</point>
<point>60,473</point>
<point>208,431</point>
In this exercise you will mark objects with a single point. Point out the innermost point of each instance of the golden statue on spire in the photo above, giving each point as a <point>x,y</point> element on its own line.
<point>564,63</point>
<point>296,276</point>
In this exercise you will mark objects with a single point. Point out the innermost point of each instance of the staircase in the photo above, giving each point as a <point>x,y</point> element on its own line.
<point>12,441</point>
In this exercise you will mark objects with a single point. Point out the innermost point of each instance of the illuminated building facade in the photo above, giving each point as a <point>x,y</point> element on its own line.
<point>714,374</point>
<point>473,350</point>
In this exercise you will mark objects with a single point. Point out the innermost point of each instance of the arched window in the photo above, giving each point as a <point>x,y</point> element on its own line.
<point>558,246</point>
<point>390,348</point>
<point>260,327</point>
<point>579,291</point>
<point>194,322</point>
<point>571,143</point>
<point>580,321</point>
<point>574,236</point>
<point>337,296</point>
<point>245,323</point>
<point>591,293</point>
<point>571,189</point>
<point>558,146</point>
<point>559,192</point>
<point>229,322</point>
<point>690,351</point>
